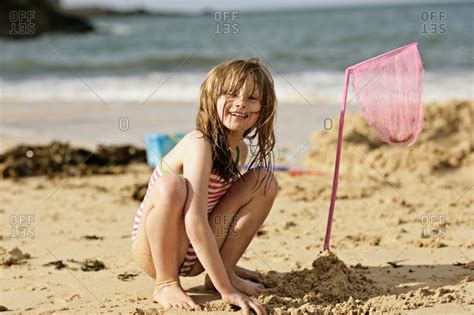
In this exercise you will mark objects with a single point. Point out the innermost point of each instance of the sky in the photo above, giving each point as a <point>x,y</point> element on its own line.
<point>190,5</point>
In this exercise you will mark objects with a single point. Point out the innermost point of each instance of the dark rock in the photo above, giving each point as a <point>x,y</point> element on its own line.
<point>92,265</point>
<point>93,237</point>
<point>127,276</point>
<point>58,264</point>
<point>22,19</point>
<point>59,159</point>
<point>17,257</point>
<point>100,12</point>
<point>92,11</point>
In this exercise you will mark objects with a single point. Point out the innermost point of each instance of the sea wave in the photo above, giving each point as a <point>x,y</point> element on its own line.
<point>312,88</point>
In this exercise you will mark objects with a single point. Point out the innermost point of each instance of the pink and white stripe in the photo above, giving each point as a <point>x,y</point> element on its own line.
<point>217,188</point>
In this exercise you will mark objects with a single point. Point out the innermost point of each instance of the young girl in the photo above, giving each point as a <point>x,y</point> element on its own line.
<point>200,212</point>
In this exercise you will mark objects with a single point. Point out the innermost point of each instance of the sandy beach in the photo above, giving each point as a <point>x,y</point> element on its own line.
<point>83,83</point>
<point>401,244</point>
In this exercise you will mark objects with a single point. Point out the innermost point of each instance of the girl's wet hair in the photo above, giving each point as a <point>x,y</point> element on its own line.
<point>228,78</point>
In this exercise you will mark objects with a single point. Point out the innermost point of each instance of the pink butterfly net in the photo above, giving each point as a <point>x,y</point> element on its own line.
<point>389,91</point>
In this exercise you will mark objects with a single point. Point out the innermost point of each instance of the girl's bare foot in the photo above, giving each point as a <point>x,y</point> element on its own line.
<point>244,286</point>
<point>248,274</point>
<point>170,294</point>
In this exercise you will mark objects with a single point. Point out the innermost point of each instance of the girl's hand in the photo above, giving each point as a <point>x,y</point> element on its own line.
<point>244,302</point>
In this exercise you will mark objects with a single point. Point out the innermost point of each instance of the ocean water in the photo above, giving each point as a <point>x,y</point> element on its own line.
<point>306,50</point>
<point>160,60</point>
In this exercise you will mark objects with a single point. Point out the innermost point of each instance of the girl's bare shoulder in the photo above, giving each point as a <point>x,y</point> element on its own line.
<point>195,143</point>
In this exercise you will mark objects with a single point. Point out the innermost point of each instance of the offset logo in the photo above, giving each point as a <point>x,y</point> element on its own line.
<point>433,225</point>
<point>226,22</point>
<point>22,22</point>
<point>22,225</point>
<point>433,22</point>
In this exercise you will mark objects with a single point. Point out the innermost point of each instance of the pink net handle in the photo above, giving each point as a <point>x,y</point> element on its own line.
<point>389,90</point>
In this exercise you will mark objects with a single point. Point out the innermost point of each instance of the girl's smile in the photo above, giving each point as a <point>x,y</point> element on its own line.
<point>239,112</point>
<point>238,116</point>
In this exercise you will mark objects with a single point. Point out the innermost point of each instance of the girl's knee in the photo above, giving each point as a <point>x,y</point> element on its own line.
<point>171,189</point>
<point>264,182</point>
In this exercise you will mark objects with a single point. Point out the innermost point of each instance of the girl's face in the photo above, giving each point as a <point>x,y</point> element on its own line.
<point>238,112</point>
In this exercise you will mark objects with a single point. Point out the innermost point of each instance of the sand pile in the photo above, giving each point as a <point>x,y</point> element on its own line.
<point>445,143</point>
<point>59,159</point>
<point>331,287</point>
<point>328,283</point>
<point>368,164</point>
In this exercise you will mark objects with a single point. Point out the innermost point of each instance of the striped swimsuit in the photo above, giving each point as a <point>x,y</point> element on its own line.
<point>216,190</point>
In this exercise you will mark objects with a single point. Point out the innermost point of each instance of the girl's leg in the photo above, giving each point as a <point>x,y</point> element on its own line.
<point>236,220</point>
<point>161,242</point>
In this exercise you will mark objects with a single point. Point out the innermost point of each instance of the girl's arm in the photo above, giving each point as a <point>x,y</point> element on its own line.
<point>197,166</point>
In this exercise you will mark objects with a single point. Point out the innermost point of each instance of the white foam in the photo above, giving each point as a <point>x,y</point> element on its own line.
<point>315,88</point>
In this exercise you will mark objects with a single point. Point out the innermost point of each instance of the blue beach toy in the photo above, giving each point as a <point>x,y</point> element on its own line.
<point>158,145</point>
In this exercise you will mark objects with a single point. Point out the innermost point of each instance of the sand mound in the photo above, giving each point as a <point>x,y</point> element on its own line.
<point>445,143</point>
<point>331,287</point>
<point>368,164</point>
<point>329,281</point>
